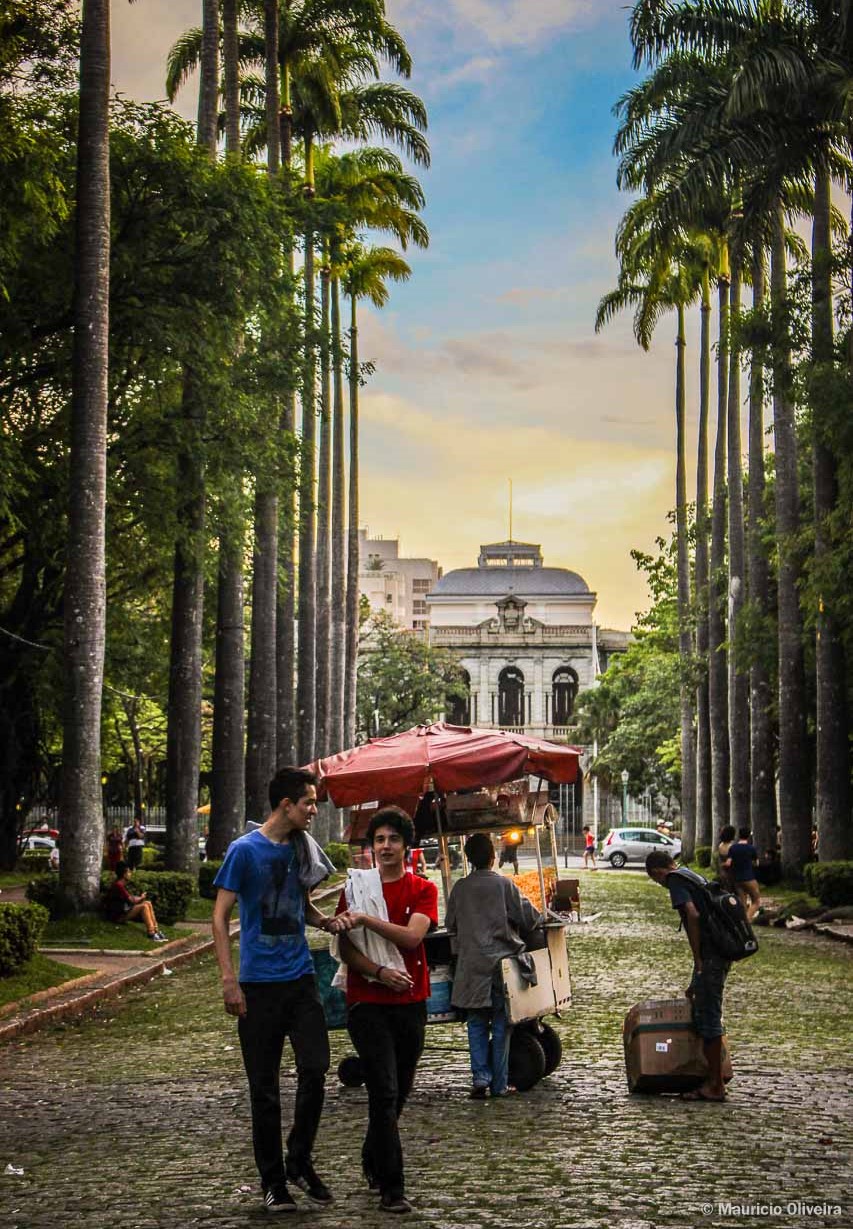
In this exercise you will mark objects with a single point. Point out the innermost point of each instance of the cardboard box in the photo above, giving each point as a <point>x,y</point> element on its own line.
<point>663,1053</point>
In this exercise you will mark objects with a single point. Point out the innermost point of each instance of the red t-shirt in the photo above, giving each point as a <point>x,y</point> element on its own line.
<point>403,897</point>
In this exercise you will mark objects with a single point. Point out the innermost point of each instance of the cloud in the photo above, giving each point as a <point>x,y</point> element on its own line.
<point>497,23</point>
<point>478,70</point>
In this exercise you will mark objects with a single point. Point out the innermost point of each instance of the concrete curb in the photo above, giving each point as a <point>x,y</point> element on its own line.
<point>78,1003</point>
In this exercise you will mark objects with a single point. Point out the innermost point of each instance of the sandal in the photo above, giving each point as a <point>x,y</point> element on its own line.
<point>698,1095</point>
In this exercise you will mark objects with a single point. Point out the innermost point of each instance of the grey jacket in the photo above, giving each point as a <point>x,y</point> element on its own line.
<point>487,915</point>
<point>313,864</point>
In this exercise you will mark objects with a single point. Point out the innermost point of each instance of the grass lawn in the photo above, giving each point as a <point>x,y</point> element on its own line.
<point>39,974</point>
<point>200,909</point>
<point>14,879</point>
<point>90,931</point>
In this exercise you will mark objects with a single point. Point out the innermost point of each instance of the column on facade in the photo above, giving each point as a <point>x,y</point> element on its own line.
<point>483,715</point>
<point>537,708</point>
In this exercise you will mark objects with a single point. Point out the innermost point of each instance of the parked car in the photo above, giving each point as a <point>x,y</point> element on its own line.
<point>623,845</point>
<point>43,830</point>
<point>37,844</point>
<point>431,850</point>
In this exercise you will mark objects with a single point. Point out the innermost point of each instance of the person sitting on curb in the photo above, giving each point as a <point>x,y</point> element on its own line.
<point>121,906</point>
<point>710,970</point>
<point>486,919</point>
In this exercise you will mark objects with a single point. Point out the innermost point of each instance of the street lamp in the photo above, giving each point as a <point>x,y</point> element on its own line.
<point>625,795</point>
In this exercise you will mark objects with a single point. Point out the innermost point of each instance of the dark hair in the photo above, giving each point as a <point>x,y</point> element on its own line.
<point>121,870</point>
<point>585,828</point>
<point>290,783</point>
<point>727,833</point>
<point>480,851</point>
<point>392,817</point>
<point>659,860</point>
<point>744,833</point>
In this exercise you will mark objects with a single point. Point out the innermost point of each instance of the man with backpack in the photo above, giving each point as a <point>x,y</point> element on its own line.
<point>718,933</point>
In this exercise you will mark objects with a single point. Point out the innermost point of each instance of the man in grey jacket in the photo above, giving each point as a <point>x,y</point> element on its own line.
<point>487,915</point>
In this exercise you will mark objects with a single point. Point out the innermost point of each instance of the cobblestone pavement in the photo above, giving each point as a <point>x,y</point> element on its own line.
<point>139,1114</point>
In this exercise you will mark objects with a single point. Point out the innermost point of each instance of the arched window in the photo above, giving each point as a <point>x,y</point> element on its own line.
<point>511,696</point>
<point>459,707</point>
<point>564,690</point>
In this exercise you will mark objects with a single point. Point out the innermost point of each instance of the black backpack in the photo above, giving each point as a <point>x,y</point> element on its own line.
<point>723,918</point>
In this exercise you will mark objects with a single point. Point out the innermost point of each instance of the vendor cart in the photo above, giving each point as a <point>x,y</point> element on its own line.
<point>470,781</point>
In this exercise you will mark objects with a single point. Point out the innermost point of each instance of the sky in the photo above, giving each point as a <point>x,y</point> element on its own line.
<point>488,368</point>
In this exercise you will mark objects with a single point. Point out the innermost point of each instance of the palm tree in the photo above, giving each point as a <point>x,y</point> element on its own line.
<point>366,273</point>
<point>653,280</point>
<point>228,782</point>
<point>365,187</point>
<point>85,583</point>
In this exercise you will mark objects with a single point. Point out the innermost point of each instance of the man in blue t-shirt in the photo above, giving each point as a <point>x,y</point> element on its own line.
<point>276,996</point>
<point>740,865</point>
<point>710,969</point>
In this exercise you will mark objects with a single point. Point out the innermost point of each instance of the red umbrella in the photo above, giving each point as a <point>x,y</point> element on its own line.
<point>441,757</point>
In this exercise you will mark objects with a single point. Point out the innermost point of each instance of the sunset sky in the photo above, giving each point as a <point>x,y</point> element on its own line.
<point>487,365</point>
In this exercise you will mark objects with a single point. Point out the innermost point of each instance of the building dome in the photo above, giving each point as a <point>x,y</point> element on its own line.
<point>506,568</point>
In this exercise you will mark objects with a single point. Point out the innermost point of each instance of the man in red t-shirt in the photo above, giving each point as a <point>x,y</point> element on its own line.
<point>386,1013</point>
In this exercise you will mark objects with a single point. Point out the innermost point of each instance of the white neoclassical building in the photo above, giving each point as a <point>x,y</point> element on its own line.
<point>525,635</point>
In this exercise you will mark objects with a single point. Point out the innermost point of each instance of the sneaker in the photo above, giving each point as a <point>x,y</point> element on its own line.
<point>394,1203</point>
<point>303,1175</point>
<point>478,1092</point>
<point>158,937</point>
<point>277,1198</point>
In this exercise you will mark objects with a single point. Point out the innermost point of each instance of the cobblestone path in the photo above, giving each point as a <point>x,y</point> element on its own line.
<point>138,1116</point>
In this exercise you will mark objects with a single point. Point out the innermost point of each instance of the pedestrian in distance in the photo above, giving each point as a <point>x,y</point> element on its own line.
<point>134,841</point>
<point>120,905</point>
<point>386,997</point>
<point>710,969</point>
<point>115,848</point>
<point>487,918</point>
<point>270,872</point>
<point>589,849</point>
<point>740,866</point>
<point>727,835</point>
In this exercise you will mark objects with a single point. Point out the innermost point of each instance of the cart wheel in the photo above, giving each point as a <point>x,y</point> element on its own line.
<point>350,1071</point>
<point>550,1042</point>
<point>526,1060</point>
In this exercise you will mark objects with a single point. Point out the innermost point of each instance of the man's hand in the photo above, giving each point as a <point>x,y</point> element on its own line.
<point>394,979</point>
<point>233,997</point>
<point>335,925</point>
<point>348,920</point>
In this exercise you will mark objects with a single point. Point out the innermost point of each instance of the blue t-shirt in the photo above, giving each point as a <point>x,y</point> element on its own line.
<point>265,877</point>
<point>742,856</point>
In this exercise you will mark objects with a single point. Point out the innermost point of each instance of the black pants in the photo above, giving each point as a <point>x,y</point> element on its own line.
<point>389,1040</point>
<point>275,1010</point>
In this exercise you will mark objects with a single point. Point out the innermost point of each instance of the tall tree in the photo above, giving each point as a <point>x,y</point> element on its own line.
<point>84,597</point>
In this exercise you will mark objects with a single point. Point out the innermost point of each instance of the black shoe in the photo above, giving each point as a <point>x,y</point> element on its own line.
<point>277,1198</point>
<point>303,1175</point>
<point>478,1092</point>
<point>371,1179</point>
<point>394,1203</point>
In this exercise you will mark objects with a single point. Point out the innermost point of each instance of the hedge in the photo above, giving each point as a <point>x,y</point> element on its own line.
<point>830,882</point>
<point>702,855</point>
<point>21,927</point>
<point>44,890</point>
<point>206,875</point>
<point>170,892</point>
<point>338,854</point>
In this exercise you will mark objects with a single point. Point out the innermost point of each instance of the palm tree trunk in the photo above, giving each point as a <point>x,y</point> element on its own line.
<point>832,768</point>
<point>227,789</point>
<point>685,640</point>
<point>717,669</point>
<point>306,712</point>
<point>85,584</point>
<point>286,618</point>
<point>351,674</point>
<point>231,51</point>
<point>183,739</point>
<point>738,680</point>
<point>227,786</point>
<point>703,825</point>
<point>794,809</point>
<point>763,779</point>
<point>324,524</point>
<point>261,725</point>
<point>337,646</point>
<point>208,93</point>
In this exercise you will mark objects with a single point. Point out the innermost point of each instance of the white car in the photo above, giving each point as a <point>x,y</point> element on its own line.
<point>623,845</point>
<point>37,844</point>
